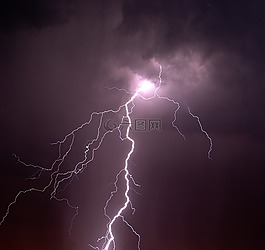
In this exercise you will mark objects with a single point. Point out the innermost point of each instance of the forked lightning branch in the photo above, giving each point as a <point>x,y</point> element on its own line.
<point>59,179</point>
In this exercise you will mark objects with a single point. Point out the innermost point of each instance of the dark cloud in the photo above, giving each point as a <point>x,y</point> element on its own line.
<point>32,14</point>
<point>221,24</point>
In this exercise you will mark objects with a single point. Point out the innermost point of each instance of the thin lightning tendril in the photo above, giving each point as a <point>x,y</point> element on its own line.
<point>203,131</point>
<point>58,177</point>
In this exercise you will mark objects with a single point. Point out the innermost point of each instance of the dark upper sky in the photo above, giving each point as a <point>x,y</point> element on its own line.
<point>57,57</point>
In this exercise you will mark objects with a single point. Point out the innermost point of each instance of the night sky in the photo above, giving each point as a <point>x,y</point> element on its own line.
<point>56,59</point>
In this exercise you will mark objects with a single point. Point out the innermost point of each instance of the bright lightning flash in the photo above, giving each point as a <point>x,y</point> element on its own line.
<point>145,85</point>
<point>59,180</point>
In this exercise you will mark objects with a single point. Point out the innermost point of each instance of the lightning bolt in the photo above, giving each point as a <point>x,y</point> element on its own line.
<point>59,179</point>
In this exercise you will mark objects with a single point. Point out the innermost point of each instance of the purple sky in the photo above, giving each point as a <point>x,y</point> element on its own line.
<point>57,57</point>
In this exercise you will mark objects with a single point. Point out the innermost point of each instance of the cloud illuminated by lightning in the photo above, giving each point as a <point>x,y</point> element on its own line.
<point>59,179</point>
<point>145,85</point>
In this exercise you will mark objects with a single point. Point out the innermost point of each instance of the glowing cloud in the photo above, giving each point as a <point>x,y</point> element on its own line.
<point>145,85</point>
